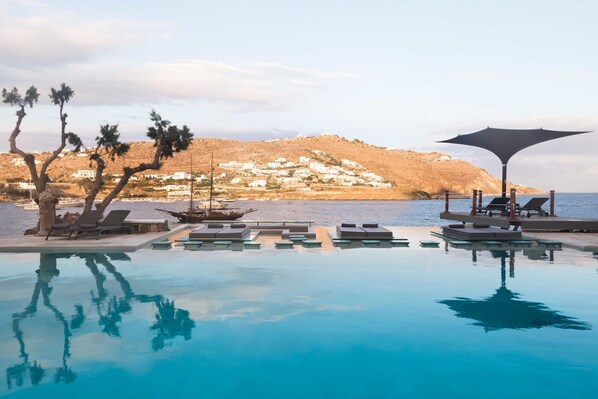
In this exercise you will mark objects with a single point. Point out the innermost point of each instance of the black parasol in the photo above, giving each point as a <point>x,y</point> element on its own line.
<point>505,143</point>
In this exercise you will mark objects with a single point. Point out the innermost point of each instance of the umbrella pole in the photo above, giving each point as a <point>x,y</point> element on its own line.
<point>504,180</point>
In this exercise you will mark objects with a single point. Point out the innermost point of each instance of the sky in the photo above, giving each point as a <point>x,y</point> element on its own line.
<point>398,74</point>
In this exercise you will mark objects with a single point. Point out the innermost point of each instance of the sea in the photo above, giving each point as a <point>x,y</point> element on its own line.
<point>14,220</point>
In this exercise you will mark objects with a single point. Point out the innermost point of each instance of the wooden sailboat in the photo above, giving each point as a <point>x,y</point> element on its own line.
<point>198,215</point>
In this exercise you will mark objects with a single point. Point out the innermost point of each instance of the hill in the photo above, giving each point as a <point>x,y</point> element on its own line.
<point>319,167</point>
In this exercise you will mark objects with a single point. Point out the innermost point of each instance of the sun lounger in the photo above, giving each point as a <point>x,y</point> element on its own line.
<point>533,205</point>
<point>87,218</point>
<point>114,221</point>
<point>498,204</point>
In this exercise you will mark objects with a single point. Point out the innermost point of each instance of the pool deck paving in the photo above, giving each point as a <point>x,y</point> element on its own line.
<point>106,243</point>
<point>134,242</point>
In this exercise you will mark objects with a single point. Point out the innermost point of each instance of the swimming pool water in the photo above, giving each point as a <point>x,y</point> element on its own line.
<point>356,323</point>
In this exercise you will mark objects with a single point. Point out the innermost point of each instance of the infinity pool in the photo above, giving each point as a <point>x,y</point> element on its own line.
<point>355,323</point>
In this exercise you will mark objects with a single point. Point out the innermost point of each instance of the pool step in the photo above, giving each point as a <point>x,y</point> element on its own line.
<point>312,243</point>
<point>162,245</point>
<point>284,244</point>
<point>252,245</point>
<point>461,243</point>
<point>521,243</point>
<point>297,239</point>
<point>337,242</point>
<point>192,244</point>
<point>492,243</point>
<point>550,244</point>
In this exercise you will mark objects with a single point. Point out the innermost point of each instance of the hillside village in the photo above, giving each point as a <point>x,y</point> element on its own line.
<point>321,167</point>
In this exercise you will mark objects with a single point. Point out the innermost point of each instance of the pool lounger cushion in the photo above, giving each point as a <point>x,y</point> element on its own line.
<point>235,230</point>
<point>365,232</point>
<point>206,232</point>
<point>481,233</point>
<point>374,231</point>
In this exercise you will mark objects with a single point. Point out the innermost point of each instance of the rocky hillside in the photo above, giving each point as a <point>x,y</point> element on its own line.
<point>402,174</point>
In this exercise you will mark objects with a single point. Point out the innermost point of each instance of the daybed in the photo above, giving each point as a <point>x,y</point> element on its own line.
<point>217,231</point>
<point>350,231</point>
<point>479,233</point>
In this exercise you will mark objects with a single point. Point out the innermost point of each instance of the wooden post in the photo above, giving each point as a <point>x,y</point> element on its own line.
<point>446,202</point>
<point>479,199</point>
<point>512,203</point>
<point>474,200</point>
<point>551,202</point>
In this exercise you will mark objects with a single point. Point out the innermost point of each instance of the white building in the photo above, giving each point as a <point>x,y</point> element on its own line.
<point>236,180</point>
<point>180,176</point>
<point>304,160</point>
<point>248,166</point>
<point>352,164</point>
<point>171,187</point>
<point>82,174</point>
<point>319,168</point>
<point>379,185</point>
<point>258,183</point>
<point>26,186</point>
<point>302,173</point>
<point>231,165</point>
<point>371,176</point>
<point>179,194</point>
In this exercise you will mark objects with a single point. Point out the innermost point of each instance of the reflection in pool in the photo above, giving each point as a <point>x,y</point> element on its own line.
<point>343,323</point>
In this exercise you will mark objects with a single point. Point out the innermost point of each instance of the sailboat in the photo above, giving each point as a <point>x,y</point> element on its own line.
<point>198,215</point>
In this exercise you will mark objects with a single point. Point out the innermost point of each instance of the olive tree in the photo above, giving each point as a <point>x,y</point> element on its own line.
<point>43,196</point>
<point>168,139</point>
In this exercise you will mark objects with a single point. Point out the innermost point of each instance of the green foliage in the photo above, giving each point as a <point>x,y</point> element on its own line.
<point>75,141</point>
<point>61,96</point>
<point>109,142</point>
<point>168,137</point>
<point>13,97</point>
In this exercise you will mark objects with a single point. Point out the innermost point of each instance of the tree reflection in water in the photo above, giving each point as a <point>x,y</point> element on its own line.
<point>170,321</point>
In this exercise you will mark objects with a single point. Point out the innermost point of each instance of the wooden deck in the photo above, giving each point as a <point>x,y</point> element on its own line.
<point>534,223</point>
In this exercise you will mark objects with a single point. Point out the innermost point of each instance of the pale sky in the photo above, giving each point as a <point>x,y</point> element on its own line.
<point>400,74</point>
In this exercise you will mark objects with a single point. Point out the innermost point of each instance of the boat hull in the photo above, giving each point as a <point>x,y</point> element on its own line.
<point>199,217</point>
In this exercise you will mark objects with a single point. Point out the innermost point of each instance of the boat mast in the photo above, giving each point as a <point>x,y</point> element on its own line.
<point>191,174</point>
<point>211,180</point>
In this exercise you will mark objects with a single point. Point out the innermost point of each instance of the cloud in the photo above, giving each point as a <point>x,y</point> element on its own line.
<point>42,36</point>
<point>243,89</point>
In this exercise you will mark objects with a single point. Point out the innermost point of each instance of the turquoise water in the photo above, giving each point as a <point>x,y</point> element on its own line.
<point>356,323</point>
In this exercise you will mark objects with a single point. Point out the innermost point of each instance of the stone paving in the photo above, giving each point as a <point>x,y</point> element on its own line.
<point>134,242</point>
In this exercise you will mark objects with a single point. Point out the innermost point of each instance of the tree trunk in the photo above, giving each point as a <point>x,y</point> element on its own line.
<point>47,212</point>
